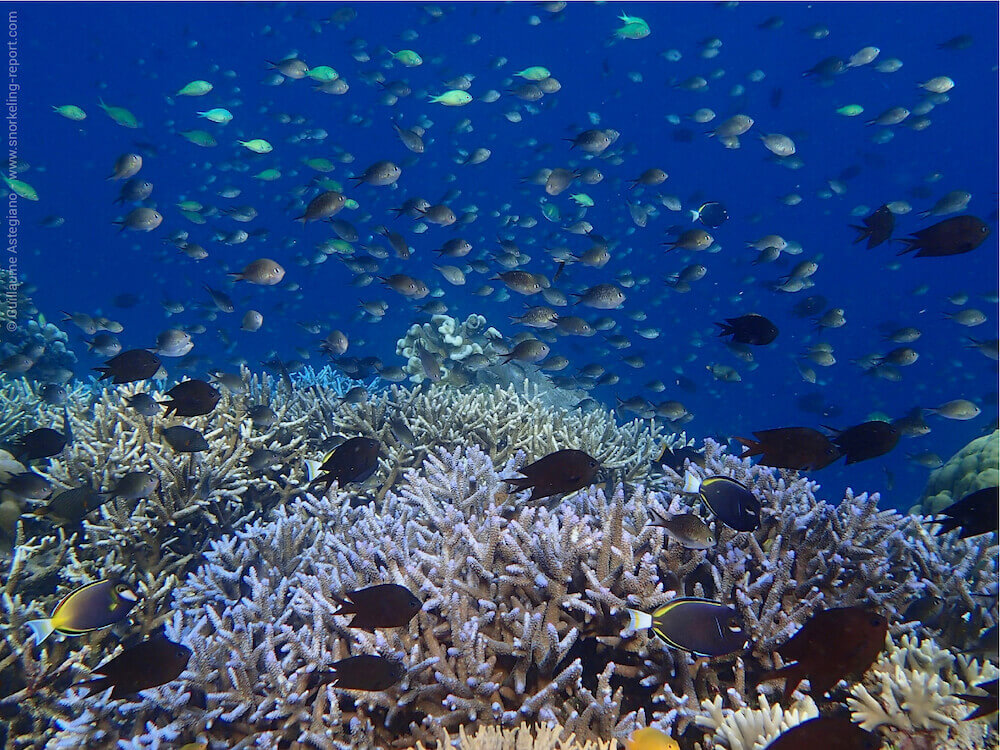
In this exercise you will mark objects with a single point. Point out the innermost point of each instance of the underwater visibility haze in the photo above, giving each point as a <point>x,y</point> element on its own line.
<point>381,374</point>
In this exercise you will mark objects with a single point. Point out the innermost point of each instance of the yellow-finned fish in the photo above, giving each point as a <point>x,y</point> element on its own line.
<point>650,738</point>
<point>91,607</point>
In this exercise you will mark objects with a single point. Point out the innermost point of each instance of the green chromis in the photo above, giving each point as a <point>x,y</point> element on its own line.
<point>120,115</point>
<point>217,115</point>
<point>257,145</point>
<point>70,112</point>
<point>534,73</point>
<point>195,88</point>
<point>407,57</point>
<point>322,73</point>
<point>850,110</point>
<point>91,607</point>
<point>453,98</point>
<point>22,188</point>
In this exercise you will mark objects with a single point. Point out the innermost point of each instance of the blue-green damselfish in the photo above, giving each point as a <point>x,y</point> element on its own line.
<point>91,607</point>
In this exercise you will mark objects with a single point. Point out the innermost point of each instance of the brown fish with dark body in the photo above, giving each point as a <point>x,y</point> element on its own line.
<point>826,733</point>
<point>153,662</point>
<point>354,460</point>
<point>387,605</point>
<point>877,227</point>
<point>191,398</point>
<point>976,513</point>
<point>866,440</point>
<point>801,448</point>
<point>41,443</point>
<point>674,458</point>
<point>130,366</point>
<point>323,206</point>
<point>71,506</point>
<point>954,236</point>
<point>184,439</point>
<point>749,329</point>
<point>832,645</point>
<point>557,473</point>
<point>365,672</point>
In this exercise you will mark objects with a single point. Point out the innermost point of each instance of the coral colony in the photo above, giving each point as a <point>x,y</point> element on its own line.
<point>521,630</point>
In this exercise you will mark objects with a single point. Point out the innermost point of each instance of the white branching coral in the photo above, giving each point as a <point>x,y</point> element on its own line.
<point>523,737</point>
<point>522,602</point>
<point>749,728</point>
<point>912,690</point>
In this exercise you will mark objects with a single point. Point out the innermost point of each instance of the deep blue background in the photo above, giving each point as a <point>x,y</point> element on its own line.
<point>137,56</point>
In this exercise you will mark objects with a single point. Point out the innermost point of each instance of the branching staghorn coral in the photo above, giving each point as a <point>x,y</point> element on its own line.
<point>522,603</point>
<point>912,689</point>
<point>522,609</point>
<point>502,420</point>
<point>151,543</point>
<point>523,737</point>
<point>750,728</point>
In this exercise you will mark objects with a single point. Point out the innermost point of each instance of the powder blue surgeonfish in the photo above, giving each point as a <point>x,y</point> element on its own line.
<point>92,607</point>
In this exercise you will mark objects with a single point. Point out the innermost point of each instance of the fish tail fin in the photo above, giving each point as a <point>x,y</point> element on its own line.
<point>639,620</point>
<point>691,483</point>
<point>41,629</point>
<point>752,446</point>
<point>312,469</point>
<point>911,245</point>
<point>726,329</point>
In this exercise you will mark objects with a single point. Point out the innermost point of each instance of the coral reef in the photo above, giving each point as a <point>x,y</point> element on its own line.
<point>522,602</point>
<point>974,467</point>
<point>911,692</point>
<point>156,541</point>
<point>502,420</point>
<point>521,610</point>
<point>41,341</point>
<point>448,341</point>
<point>750,728</point>
<point>538,737</point>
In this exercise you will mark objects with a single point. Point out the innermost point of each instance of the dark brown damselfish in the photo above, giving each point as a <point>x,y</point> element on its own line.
<point>832,645</point>
<point>557,473</point>
<point>801,448</point>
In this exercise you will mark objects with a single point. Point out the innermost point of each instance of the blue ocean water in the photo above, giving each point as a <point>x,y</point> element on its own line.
<point>138,56</point>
